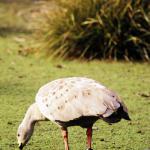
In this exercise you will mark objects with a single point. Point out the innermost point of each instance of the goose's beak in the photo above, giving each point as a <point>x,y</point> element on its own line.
<point>20,146</point>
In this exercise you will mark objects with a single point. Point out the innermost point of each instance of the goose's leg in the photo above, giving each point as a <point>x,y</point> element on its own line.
<point>89,138</point>
<point>65,137</point>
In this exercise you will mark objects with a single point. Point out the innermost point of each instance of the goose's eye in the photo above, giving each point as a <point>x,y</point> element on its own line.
<point>18,135</point>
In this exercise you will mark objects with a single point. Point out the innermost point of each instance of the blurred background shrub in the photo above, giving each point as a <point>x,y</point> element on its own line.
<point>98,29</point>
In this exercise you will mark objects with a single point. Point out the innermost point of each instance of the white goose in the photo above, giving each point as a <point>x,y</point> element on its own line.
<point>69,102</point>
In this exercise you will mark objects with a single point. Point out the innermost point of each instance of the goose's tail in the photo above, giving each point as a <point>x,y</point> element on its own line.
<point>116,116</point>
<point>123,114</point>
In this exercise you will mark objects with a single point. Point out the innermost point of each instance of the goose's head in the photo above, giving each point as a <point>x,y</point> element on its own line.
<point>24,134</point>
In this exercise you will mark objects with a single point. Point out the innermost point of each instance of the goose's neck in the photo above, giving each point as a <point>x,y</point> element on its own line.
<point>33,115</point>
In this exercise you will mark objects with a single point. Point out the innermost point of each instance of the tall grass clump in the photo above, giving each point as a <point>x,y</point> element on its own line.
<point>99,29</point>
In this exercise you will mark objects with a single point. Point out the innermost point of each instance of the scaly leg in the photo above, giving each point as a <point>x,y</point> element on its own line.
<point>65,137</point>
<point>89,138</point>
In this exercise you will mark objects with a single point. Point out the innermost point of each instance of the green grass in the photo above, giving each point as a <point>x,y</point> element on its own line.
<point>22,76</point>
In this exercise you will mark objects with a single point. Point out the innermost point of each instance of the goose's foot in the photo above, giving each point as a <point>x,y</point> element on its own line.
<point>65,137</point>
<point>89,138</point>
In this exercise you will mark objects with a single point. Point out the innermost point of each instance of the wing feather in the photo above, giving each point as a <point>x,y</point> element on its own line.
<point>70,98</point>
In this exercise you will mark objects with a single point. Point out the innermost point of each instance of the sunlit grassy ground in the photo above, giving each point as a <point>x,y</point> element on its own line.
<point>21,76</point>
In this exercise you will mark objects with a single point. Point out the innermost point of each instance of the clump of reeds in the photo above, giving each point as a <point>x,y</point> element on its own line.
<point>99,29</point>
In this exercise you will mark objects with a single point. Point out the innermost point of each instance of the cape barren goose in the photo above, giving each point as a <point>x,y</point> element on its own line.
<point>75,101</point>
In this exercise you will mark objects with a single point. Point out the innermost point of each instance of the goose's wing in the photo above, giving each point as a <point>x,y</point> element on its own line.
<point>70,98</point>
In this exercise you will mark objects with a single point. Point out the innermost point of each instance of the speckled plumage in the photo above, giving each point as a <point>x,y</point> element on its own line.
<point>69,102</point>
<point>70,98</point>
